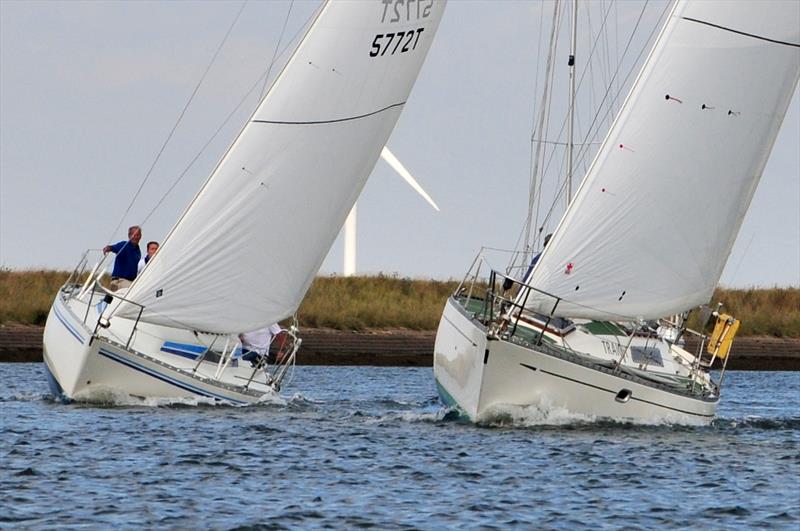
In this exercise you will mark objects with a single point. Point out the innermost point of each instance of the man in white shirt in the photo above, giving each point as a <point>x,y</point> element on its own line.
<point>152,247</point>
<point>255,345</point>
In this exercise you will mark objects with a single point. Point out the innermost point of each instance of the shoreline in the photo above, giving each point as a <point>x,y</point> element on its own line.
<point>409,348</point>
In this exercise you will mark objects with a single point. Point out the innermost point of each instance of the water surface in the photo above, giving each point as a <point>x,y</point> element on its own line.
<point>372,447</point>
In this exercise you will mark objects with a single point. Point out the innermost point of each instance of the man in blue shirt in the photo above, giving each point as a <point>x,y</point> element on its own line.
<point>127,260</point>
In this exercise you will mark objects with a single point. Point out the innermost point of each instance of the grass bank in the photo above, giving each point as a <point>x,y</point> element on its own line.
<point>382,302</point>
<point>26,296</point>
<point>354,303</point>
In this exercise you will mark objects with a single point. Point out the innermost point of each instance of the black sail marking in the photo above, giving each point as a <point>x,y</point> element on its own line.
<point>753,35</point>
<point>348,119</point>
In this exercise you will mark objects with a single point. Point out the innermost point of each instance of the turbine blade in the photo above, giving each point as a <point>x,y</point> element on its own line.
<point>392,161</point>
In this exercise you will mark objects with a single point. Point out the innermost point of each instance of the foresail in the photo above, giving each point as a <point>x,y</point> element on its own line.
<point>248,247</point>
<point>654,221</point>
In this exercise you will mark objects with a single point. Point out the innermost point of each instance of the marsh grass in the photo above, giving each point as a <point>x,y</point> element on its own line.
<point>357,303</point>
<point>353,303</point>
<point>26,296</point>
<point>385,302</point>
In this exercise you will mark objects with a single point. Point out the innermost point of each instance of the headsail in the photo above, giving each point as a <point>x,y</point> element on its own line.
<point>248,247</point>
<point>653,223</point>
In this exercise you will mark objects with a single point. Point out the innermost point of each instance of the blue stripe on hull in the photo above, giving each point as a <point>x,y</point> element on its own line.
<point>164,378</point>
<point>66,324</point>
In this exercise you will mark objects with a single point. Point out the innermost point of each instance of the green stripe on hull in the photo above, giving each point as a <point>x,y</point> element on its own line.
<point>449,401</point>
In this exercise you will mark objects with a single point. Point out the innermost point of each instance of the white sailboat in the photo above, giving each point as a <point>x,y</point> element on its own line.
<point>646,236</point>
<point>247,248</point>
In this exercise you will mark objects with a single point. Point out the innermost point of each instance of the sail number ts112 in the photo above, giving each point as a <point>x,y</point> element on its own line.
<point>400,41</point>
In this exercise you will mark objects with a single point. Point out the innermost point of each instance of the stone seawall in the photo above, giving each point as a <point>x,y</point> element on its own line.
<point>405,348</point>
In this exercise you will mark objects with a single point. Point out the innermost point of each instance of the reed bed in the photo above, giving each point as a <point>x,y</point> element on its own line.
<point>26,296</point>
<point>388,302</point>
<point>352,303</point>
<point>374,302</point>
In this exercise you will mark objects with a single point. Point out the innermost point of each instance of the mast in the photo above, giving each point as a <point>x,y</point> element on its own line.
<point>571,120</point>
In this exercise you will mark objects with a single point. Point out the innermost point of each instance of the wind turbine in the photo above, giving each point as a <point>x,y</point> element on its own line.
<point>349,267</point>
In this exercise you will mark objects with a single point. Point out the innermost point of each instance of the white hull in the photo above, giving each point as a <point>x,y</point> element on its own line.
<point>86,368</point>
<point>479,375</point>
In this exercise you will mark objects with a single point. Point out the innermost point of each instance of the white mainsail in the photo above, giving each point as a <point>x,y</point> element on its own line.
<point>248,247</point>
<point>654,220</point>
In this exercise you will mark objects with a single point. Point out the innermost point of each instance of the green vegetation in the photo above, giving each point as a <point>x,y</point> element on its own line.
<point>26,296</point>
<point>382,302</point>
<point>355,303</point>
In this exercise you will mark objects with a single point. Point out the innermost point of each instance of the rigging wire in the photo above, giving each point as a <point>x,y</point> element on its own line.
<point>524,232</point>
<point>616,38</point>
<point>275,52</point>
<point>532,179</point>
<point>589,64</point>
<point>595,125</point>
<point>605,53</point>
<point>264,76</point>
<point>178,121</point>
<point>744,255</point>
<point>544,124</point>
<point>595,122</point>
<point>586,69</point>
<point>605,29</point>
<point>553,151</point>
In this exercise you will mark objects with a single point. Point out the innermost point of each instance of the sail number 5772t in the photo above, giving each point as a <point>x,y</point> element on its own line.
<point>399,42</point>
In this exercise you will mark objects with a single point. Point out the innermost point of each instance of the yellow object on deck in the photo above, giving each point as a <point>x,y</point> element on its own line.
<point>722,337</point>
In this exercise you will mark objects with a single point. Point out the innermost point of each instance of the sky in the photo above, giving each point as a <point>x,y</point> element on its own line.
<point>89,91</point>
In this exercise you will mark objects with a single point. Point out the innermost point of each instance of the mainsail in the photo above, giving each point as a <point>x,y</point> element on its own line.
<point>656,216</point>
<point>247,248</point>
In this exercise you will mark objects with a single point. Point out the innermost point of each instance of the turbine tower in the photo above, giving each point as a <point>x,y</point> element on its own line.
<point>349,266</point>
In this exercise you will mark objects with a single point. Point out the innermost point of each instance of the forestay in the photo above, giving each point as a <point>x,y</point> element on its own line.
<point>247,248</point>
<point>654,220</point>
